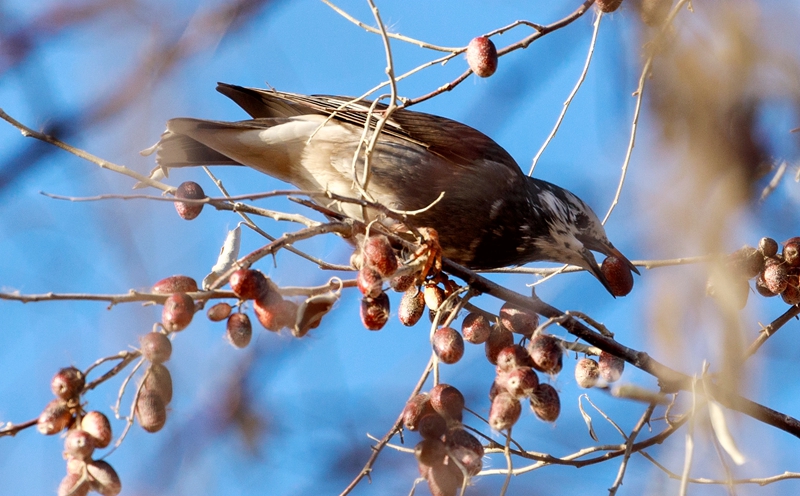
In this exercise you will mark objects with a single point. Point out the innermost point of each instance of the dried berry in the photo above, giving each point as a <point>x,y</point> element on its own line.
<point>178,312</point>
<point>791,252</point>
<point>611,366</point>
<point>67,383</point>
<point>587,371</point>
<point>496,389</point>
<point>746,261</point>
<point>73,485</point>
<point>519,382</point>
<point>412,305</point>
<point>512,357</point>
<point>96,424</point>
<point>545,403</point>
<point>448,345</point>
<point>403,283</point>
<point>156,347</point>
<point>546,352</point>
<point>375,312</point>
<point>158,381</point>
<point>434,296</point>
<point>249,284</point>
<point>761,287</point>
<point>151,412</point>
<point>505,411</point>
<point>518,320</point>
<point>618,276</point>
<point>608,6</point>
<point>482,56</point>
<point>104,478</point>
<point>447,401</point>
<point>175,284</point>
<point>369,281</point>
<point>430,452</point>
<point>444,478</point>
<point>378,253</point>
<point>466,449</point>
<point>415,409</point>
<point>189,190</point>
<point>791,294</point>
<point>239,331</point>
<point>219,312</point>
<point>79,444</point>
<point>274,315</point>
<point>768,247</point>
<point>775,277</point>
<point>75,466</point>
<point>499,338</point>
<point>432,426</point>
<point>55,417</point>
<point>476,328</point>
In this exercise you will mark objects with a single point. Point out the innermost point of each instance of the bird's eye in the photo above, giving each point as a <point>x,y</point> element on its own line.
<point>581,221</point>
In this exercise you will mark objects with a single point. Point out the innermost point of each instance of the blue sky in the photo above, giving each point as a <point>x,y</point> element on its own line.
<point>320,396</point>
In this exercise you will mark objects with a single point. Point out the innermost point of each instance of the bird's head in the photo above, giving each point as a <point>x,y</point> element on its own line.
<point>574,232</point>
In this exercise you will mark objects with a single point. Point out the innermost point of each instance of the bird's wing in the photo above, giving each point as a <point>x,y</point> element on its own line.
<point>449,139</point>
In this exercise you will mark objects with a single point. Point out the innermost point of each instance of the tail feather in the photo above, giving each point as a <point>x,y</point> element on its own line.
<point>178,150</point>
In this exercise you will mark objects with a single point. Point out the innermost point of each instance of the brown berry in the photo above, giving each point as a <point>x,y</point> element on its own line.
<point>447,401</point>
<point>618,276</point>
<point>761,287</point>
<point>611,366</point>
<point>512,357</point>
<point>156,347</point>
<point>746,261</point>
<point>151,412</point>
<point>519,382</point>
<point>73,485</point>
<point>219,312</point>
<point>67,383</point>
<point>96,424</point>
<point>158,381</point>
<point>403,283</point>
<point>791,252</point>
<point>369,281</point>
<point>249,284</point>
<point>189,190</point>
<point>415,409</point>
<point>791,294</point>
<point>499,338</point>
<point>482,56</point>
<point>175,284</point>
<point>375,311</point>
<point>104,478</point>
<point>444,478</point>
<point>434,296</point>
<point>432,426</point>
<point>607,6</point>
<point>768,247</point>
<point>379,254</point>
<point>178,312</point>
<point>476,328</point>
<point>545,403</point>
<point>239,331</point>
<point>448,345</point>
<point>412,306</point>
<point>546,352</point>
<point>79,444</point>
<point>586,373</point>
<point>504,412</point>
<point>75,466</point>
<point>518,320</point>
<point>775,277</point>
<point>430,452</point>
<point>55,417</point>
<point>466,449</point>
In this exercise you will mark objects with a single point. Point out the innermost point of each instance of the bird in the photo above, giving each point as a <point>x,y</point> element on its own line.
<point>487,212</point>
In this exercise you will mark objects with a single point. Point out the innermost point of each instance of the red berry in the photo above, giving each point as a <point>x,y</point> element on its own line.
<point>369,281</point>
<point>219,312</point>
<point>791,252</point>
<point>518,320</point>
<point>587,372</point>
<point>499,338</point>
<point>156,347</point>
<point>775,277</point>
<point>55,417</point>
<point>447,401</point>
<point>415,409</point>
<point>73,485</point>
<point>375,311</point>
<point>189,190</point>
<point>465,448</point>
<point>434,295</point>
<point>104,478</point>
<point>430,452</point>
<point>611,366</point>
<point>96,424</point>
<point>239,331</point>
<point>178,312</point>
<point>448,345</point>
<point>412,306</point>
<point>519,382</point>
<point>175,284</point>
<point>482,56</point>
<point>768,247</point>
<point>546,352</point>
<point>761,287</point>
<point>274,315</point>
<point>512,357</point>
<point>476,328</point>
<point>151,412</point>
<point>158,381</point>
<point>791,294</point>
<point>505,412</point>
<point>67,383</point>
<point>432,426</point>
<point>378,253</point>
<point>79,444</point>
<point>618,276</point>
<point>444,478</point>
<point>248,284</point>
<point>746,261</point>
<point>403,283</point>
<point>545,403</point>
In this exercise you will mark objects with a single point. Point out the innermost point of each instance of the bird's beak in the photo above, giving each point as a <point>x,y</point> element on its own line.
<point>608,250</point>
<point>592,266</point>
